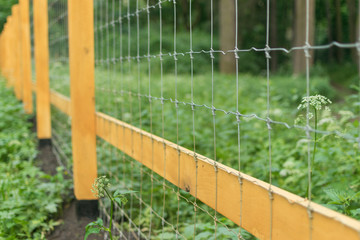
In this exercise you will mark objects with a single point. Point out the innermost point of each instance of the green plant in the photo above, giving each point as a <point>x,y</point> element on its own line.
<point>101,189</point>
<point>30,199</point>
<point>347,202</point>
<point>316,102</point>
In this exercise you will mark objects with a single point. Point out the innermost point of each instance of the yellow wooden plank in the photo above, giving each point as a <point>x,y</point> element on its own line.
<point>11,63</point>
<point>9,57</point>
<point>2,50</point>
<point>16,67</point>
<point>290,218</point>
<point>61,102</point>
<point>290,212</point>
<point>41,50</point>
<point>82,93</point>
<point>25,54</point>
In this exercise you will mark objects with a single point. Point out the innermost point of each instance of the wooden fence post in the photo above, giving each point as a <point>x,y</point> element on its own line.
<point>8,49</point>
<point>25,55</point>
<point>2,50</point>
<point>82,93</point>
<point>16,68</point>
<point>12,58</point>
<point>41,50</point>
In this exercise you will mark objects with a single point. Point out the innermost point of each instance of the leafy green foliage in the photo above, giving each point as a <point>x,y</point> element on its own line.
<point>5,10</point>
<point>94,227</point>
<point>347,202</point>
<point>16,141</point>
<point>29,198</point>
<point>101,188</point>
<point>337,159</point>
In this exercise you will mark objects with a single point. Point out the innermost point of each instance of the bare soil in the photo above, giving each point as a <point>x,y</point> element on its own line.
<point>73,227</point>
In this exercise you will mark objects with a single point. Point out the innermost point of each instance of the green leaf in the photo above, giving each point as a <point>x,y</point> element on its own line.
<point>120,200</point>
<point>91,230</point>
<point>122,192</point>
<point>51,207</point>
<point>98,223</point>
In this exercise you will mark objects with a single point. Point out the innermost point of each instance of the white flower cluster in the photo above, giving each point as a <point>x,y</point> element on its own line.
<point>317,101</point>
<point>98,188</point>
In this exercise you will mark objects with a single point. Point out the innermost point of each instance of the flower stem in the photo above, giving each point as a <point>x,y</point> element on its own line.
<point>111,213</point>
<point>315,140</point>
<point>111,218</point>
<point>313,154</point>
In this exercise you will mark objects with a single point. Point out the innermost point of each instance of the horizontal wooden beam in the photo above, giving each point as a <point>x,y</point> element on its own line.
<point>290,213</point>
<point>61,102</point>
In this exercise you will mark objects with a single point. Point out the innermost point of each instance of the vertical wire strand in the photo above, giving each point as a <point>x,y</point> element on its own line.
<point>140,115</point>
<point>238,115</point>
<point>358,52</point>
<point>108,69</point>
<point>101,33</point>
<point>113,151</point>
<point>177,122</point>
<point>131,112</point>
<point>193,115</point>
<point>213,111</point>
<point>122,79</point>
<point>307,59</point>
<point>96,32</point>
<point>151,119</point>
<point>118,153</point>
<point>268,57</point>
<point>108,55</point>
<point>162,121</point>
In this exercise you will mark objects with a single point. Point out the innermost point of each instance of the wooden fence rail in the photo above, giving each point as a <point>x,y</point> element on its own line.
<point>293,217</point>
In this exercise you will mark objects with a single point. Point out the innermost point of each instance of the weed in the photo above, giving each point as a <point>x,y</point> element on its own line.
<point>101,189</point>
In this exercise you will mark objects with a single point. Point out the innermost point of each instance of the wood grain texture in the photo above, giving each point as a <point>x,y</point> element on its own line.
<point>41,50</point>
<point>16,68</point>
<point>9,47</point>
<point>25,55</point>
<point>290,218</point>
<point>61,102</point>
<point>82,93</point>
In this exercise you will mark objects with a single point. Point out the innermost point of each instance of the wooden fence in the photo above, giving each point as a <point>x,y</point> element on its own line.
<point>278,215</point>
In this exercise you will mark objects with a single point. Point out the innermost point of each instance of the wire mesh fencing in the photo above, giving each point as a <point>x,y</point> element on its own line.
<point>60,80</point>
<point>164,79</point>
<point>186,137</point>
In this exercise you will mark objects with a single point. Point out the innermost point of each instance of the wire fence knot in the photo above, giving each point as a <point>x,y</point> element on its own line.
<point>213,110</point>
<point>267,52</point>
<point>211,52</point>
<point>268,123</point>
<point>238,117</point>
<point>307,48</point>
<point>216,167</point>
<point>236,50</point>
<point>310,212</point>
<point>240,179</point>
<point>271,196</point>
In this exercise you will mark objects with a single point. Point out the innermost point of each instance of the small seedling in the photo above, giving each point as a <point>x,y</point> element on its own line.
<point>100,189</point>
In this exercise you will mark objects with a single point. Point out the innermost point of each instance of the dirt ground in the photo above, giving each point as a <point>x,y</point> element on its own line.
<point>73,227</point>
